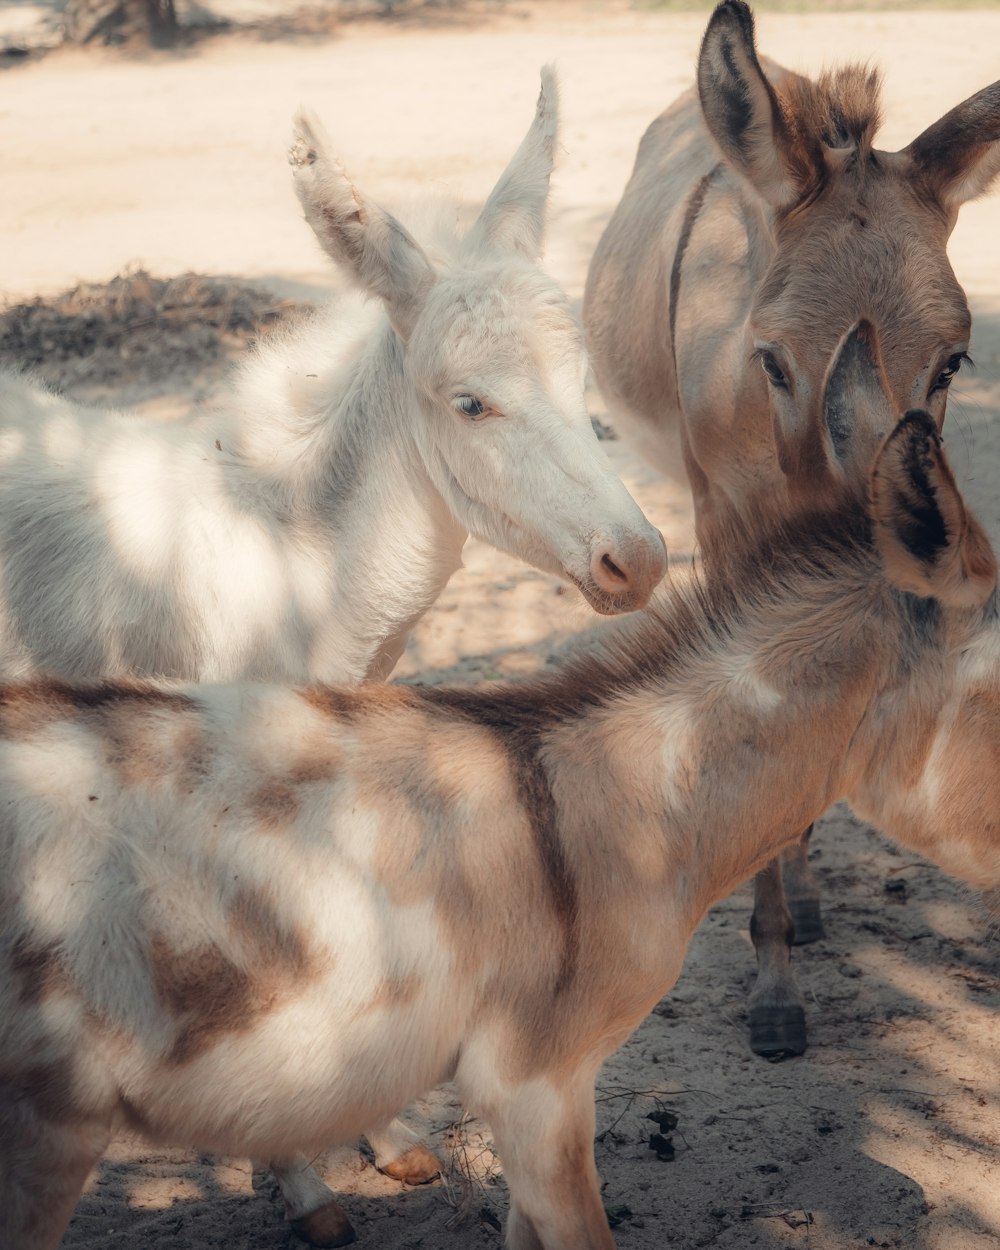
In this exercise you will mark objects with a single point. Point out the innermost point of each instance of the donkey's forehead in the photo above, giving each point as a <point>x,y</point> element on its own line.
<point>871,252</point>
<point>511,313</point>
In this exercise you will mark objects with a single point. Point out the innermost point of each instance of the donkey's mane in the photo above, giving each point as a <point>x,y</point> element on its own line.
<point>795,562</point>
<point>840,109</point>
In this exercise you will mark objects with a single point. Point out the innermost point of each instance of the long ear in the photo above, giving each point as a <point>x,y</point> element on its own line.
<point>740,107</point>
<point>514,215</point>
<point>857,410</point>
<point>960,154</point>
<point>930,544</point>
<point>844,429</point>
<point>380,254</point>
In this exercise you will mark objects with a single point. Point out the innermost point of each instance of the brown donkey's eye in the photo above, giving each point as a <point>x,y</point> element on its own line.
<point>943,379</point>
<point>773,371</point>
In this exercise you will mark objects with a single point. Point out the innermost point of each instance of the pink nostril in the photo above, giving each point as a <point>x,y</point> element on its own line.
<point>614,578</point>
<point>613,570</point>
<point>626,568</point>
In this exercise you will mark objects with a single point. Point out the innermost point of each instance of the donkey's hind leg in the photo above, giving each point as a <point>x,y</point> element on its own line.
<point>777,1008</point>
<point>315,1214</point>
<point>401,1154</point>
<point>44,1163</point>
<point>802,891</point>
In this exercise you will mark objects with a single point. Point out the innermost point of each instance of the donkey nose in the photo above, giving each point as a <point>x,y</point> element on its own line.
<point>628,569</point>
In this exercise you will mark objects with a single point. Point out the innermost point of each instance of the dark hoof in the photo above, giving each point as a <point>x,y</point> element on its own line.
<point>777,1032</point>
<point>806,920</point>
<point>416,1167</point>
<point>326,1226</point>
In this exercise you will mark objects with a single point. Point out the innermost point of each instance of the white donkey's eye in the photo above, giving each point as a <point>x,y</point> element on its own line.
<point>470,406</point>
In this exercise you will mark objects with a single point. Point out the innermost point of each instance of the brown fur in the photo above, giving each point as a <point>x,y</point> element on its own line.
<point>49,1087</point>
<point>41,969</point>
<point>210,994</point>
<point>275,804</point>
<point>781,227</point>
<point>840,110</point>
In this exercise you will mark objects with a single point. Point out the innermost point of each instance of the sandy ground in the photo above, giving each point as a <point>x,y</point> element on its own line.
<point>886,1133</point>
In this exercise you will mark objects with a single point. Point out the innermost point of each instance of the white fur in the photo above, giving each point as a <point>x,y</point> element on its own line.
<point>301,532</point>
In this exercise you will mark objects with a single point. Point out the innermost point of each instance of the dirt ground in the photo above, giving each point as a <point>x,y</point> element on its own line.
<point>887,1132</point>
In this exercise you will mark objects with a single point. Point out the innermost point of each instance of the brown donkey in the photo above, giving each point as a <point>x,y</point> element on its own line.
<point>758,225</point>
<point>256,919</point>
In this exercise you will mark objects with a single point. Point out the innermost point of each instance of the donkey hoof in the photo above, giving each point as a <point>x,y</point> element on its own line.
<point>326,1226</point>
<point>777,1032</point>
<point>416,1167</point>
<point>806,919</point>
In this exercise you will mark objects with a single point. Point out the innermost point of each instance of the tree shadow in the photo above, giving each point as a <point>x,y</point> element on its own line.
<point>199,24</point>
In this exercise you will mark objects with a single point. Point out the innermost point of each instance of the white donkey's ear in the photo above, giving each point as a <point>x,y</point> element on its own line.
<point>514,215</point>
<point>931,546</point>
<point>380,253</point>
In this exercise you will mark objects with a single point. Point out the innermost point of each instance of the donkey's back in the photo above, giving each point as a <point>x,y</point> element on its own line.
<point>129,545</point>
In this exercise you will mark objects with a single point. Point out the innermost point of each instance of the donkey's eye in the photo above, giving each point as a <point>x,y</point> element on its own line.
<point>943,379</point>
<point>470,406</point>
<point>773,371</point>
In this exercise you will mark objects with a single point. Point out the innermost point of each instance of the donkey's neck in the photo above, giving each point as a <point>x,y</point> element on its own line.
<point>705,751</point>
<point>336,457</point>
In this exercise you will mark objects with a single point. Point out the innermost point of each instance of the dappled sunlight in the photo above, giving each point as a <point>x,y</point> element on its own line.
<point>147,1194</point>
<point>62,437</point>
<point>138,491</point>
<point>12,443</point>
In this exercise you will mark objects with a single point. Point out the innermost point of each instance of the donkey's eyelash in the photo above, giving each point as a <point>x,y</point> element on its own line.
<point>772,369</point>
<point>949,372</point>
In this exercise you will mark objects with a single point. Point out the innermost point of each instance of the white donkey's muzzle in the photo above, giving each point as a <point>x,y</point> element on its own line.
<point>625,569</point>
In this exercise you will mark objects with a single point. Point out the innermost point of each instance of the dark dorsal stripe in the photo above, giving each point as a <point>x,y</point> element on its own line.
<point>519,725</point>
<point>691,211</point>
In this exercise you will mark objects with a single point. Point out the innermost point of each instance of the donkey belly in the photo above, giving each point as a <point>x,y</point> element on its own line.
<point>314,1075</point>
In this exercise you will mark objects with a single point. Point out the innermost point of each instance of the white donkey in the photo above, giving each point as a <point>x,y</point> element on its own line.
<point>253,917</point>
<point>300,534</point>
<point>759,223</point>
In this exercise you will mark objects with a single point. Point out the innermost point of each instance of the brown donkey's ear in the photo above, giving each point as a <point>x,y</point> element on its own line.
<point>857,410</point>
<point>839,442</point>
<point>960,154</point>
<point>930,544</point>
<point>741,109</point>
<point>379,253</point>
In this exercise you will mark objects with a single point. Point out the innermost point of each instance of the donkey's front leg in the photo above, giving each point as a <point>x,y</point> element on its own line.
<point>314,1213</point>
<point>802,891</point>
<point>544,1133</point>
<point>777,1008</point>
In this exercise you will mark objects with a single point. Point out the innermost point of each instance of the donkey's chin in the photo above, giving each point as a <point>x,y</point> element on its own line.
<point>606,603</point>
